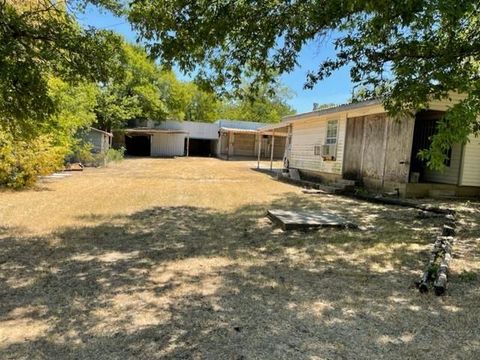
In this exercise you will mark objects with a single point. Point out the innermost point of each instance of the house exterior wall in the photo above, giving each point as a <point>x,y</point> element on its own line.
<point>167,144</point>
<point>398,149</point>
<point>373,154</point>
<point>352,161</point>
<point>306,135</point>
<point>470,175</point>
<point>449,175</point>
<point>378,149</point>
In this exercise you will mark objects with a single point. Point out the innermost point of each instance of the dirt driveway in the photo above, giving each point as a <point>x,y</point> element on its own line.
<point>156,258</point>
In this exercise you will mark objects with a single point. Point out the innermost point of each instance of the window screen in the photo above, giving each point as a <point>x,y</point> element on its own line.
<point>332,129</point>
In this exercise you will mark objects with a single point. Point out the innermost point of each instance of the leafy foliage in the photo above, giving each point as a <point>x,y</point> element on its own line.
<point>261,106</point>
<point>21,161</point>
<point>39,38</point>
<point>417,50</point>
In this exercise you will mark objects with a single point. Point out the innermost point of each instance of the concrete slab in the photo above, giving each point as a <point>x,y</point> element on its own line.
<point>290,220</point>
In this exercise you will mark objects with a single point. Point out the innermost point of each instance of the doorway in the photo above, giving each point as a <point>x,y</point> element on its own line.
<point>137,145</point>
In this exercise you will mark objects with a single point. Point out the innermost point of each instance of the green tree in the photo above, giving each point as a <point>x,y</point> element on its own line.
<point>23,158</point>
<point>38,39</point>
<point>261,105</point>
<point>201,105</point>
<point>424,49</point>
<point>132,92</point>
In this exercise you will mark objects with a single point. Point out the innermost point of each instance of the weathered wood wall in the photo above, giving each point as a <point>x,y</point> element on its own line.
<point>399,149</point>
<point>352,162</point>
<point>244,144</point>
<point>374,146</point>
<point>378,148</point>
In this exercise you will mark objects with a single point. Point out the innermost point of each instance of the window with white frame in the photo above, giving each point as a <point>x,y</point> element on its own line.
<point>332,131</point>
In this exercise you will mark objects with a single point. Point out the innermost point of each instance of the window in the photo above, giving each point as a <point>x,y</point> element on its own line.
<point>332,129</point>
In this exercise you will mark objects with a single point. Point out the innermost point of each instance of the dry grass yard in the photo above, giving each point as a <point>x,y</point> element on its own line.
<point>156,258</point>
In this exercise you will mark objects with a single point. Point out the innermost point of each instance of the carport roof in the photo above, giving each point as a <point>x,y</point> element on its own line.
<point>279,128</point>
<point>236,130</point>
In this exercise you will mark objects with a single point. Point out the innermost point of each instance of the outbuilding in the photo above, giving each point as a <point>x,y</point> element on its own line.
<point>155,142</point>
<point>242,139</point>
<point>226,139</point>
<point>101,140</point>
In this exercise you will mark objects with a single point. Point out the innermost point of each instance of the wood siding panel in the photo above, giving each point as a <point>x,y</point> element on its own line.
<point>244,144</point>
<point>306,135</point>
<point>450,174</point>
<point>399,148</point>
<point>374,152</point>
<point>352,163</point>
<point>279,147</point>
<point>471,163</point>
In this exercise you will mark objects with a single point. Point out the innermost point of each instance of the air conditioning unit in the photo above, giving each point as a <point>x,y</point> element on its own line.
<point>329,152</point>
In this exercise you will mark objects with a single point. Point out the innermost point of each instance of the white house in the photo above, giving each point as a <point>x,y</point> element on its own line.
<point>361,142</point>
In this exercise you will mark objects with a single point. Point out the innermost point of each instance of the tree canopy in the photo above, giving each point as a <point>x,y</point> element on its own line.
<point>264,105</point>
<point>58,78</point>
<point>39,38</point>
<point>417,50</point>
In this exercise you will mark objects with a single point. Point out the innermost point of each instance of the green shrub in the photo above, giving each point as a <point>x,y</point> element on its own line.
<point>83,154</point>
<point>115,155</point>
<point>22,161</point>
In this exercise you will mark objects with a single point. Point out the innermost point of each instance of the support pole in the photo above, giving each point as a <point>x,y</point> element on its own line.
<point>271,150</point>
<point>188,143</point>
<point>259,150</point>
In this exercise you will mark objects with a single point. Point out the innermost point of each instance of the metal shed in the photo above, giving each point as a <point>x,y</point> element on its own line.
<point>156,142</point>
<point>100,140</point>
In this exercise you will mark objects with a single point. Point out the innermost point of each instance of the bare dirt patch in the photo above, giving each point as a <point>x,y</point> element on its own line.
<point>157,258</point>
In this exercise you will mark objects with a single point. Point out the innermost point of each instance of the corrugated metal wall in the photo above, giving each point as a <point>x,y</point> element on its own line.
<point>197,130</point>
<point>168,144</point>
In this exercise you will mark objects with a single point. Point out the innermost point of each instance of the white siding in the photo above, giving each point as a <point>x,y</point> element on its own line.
<point>196,130</point>
<point>167,145</point>
<point>305,135</point>
<point>450,174</point>
<point>471,163</point>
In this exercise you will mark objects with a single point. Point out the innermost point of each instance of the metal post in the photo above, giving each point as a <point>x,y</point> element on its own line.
<point>228,145</point>
<point>271,150</point>
<point>259,150</point>
<point>188,143</point>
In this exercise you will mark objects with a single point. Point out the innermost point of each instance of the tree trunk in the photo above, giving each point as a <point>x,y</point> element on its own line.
<point>440,284</point>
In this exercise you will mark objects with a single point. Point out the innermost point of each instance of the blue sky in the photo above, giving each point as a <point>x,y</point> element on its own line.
<point>336,89</point>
